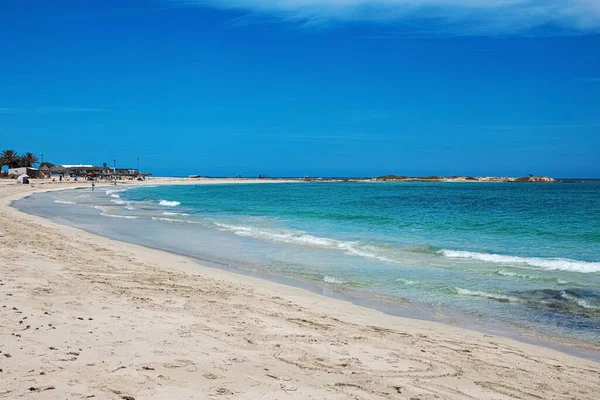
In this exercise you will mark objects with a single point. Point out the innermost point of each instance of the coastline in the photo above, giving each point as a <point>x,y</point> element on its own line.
<point>202,329</point>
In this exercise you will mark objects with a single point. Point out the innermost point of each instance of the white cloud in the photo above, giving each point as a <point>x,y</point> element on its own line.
<point>429,16</point>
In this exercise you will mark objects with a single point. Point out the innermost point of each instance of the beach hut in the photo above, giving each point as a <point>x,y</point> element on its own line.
<point>44,172</point>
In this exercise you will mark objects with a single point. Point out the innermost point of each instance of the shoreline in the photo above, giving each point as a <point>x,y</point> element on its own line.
<point>388,306</point>
<point>324,319</point>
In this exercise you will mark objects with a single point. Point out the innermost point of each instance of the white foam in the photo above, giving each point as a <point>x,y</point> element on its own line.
<point>563,264</point>
<point>173,213</point>
<point>493,296</point>
<point>331,279</point>
<point>581,302</point>
<point>117,201</point>
<point>304,239</point>
<point>115,196</point>
<point>63,202</point>
<point>407,282</point>
<point>166,219</point>
<point>169,203</point>
<point>174,220</point>
<point>512,274</point>
<point>119,216</point>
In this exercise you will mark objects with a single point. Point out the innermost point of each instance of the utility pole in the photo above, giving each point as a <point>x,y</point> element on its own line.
<point>115,166</point>
<point>42,154</point>
<point>138,165</point>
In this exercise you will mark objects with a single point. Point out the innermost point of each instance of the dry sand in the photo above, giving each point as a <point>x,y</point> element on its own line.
<point>83,317</point>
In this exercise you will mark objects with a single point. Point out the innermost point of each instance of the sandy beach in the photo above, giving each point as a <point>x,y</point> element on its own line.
<point>88,317</point>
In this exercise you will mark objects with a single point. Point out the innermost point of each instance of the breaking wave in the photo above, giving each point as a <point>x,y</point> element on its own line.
<point>568,295</point>
<point>407,282</point>
<point>333,280</point>
<point>168,203</point>
<point>301,238</point>
<point>167,219</point>
<point>174,220</point>
<point>493,296</point>
<point>563,264</point>
<point>63,202</point>
<point>119,216</point>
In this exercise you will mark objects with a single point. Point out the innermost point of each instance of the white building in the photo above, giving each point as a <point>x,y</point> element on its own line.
<point>32,172</point>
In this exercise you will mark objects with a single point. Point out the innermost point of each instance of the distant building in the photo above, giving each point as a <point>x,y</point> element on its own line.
<point>262,176</point>
<point>86,170</point>
<point>31,172</point>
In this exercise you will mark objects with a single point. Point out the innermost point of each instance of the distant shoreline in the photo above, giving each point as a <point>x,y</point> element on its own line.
<point>395,178</point>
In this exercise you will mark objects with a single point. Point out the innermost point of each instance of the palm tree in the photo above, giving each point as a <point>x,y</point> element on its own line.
<point>28,159</point>
<point>10,158</point>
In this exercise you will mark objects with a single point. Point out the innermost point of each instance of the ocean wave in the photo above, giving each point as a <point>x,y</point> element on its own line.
<point>173,213</point>
<point>119,216</point>
<point>175,220</point>
<point>493,296</point>
<point>117,201</point>
<point>115,196</point>
<point>572,301</point>
<point>167,219</point>
<point>64,202</point>
<point>168,203</point>
<point>563,264</point>
<point>331,279</point>
<point>304,239</point>
<point>512,274</point>
<point>407,282</point>
<point>581,302</point>
<point>422,249</point>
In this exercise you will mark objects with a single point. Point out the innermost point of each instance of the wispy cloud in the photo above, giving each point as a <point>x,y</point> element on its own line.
<point>458,17</point>
<point>48,110</point>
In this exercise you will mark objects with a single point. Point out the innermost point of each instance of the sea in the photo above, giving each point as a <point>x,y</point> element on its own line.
<point>516,258</point>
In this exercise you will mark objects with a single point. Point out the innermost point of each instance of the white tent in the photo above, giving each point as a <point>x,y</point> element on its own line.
<point>23,178</point>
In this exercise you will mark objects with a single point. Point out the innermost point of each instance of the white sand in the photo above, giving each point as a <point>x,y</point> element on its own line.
<point>87,317</point>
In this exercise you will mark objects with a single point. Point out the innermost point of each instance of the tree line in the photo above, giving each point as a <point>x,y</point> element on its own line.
<point>12,159</point>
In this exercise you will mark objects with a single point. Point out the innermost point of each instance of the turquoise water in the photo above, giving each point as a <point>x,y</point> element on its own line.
<point>514,256</point>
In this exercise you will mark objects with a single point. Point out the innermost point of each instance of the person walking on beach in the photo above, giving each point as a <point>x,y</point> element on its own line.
<point>93,185</point>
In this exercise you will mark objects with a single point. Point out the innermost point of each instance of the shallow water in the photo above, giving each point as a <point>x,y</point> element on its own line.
<point>514,257</point>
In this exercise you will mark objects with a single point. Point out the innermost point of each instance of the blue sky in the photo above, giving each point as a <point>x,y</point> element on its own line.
<point>322,87</point>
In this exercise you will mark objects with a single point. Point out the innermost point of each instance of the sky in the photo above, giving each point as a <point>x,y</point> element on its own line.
<point>305,87</point>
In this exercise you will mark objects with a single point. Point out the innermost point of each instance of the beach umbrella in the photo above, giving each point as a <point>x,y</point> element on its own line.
<point>23,178</point>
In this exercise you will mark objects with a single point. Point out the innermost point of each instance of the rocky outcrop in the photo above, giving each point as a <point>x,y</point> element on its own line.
<point>455,178</point>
